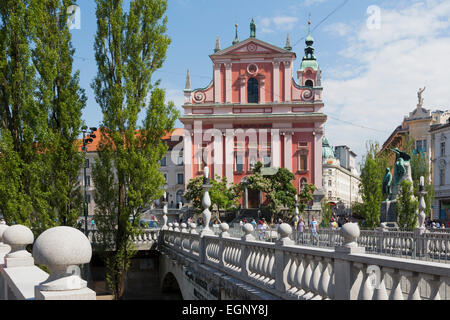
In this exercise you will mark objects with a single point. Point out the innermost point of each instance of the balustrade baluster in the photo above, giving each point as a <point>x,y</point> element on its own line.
<point>414,280</point>
<point>291,275</point>
<point>324,279</point>
<point>396,290</point>
<point>307,276</point>
<point>298,277</point>
<point>380,290</point>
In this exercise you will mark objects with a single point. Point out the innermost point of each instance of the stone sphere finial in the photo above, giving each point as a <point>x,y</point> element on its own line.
<point>350,231</point>
<point>62,249</point>
<point>248,230</point>
<point>285,231</point>
<point>3,228</point>
<point>224,227</point>
<point>18,237</point>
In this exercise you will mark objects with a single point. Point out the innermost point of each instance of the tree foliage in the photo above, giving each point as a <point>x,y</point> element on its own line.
<point>278,189</point>
<point>223,196</point>
<point>40,115</point>
<point>129,47</point>
<point>326,213</point>
<point>406,207</point>
<point>372,171</point>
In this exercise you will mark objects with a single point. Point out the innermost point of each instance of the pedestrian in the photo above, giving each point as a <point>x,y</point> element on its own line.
<point>438,225</point>
<point>314,226</point>
<point>253,224</point>
<point>301,229</point>
<point>241,222</point>
<point>260,230</point>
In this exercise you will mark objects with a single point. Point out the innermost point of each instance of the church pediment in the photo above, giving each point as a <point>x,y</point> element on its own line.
<point>251,46</point>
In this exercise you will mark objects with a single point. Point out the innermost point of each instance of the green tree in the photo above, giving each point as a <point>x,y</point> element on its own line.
<point>129,47</point>
<point>194,193</point>
<point>223,196</point>
<point>372,171</point>
<point>278,189</point>
<point>23,123</point>
<point>326,213</point>
<point>60,95</point>
<point>406,207</point>
<point>306,196</point>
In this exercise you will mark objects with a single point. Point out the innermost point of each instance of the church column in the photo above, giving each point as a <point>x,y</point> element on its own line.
<point>262,89</point>
<point>276,148</point>
<point>228,82</point>
<point>217,83</point>
<point>242,82</point>
<point>288,151</point>
<point>287,81</point>
<point>317,157</point>
<point>187,153</point>
<point>218,156</point>
<point>276,81</point>
<point>229,155</point>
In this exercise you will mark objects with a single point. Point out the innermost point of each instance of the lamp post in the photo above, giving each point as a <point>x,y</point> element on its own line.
<point>206,202</point>
<point>90,138</point>
<point>164,203</point>
<point>297,218</point>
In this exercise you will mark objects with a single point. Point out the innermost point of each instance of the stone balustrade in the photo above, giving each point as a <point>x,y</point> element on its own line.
<point>60,249</point>
<point>289,271</point>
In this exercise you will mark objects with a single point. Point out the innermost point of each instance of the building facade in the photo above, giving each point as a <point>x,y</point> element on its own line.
<point>418,124</point>
<point>440,140</point>
<point>172,167</point>
<point>341,179</point>
<point>254,110</point>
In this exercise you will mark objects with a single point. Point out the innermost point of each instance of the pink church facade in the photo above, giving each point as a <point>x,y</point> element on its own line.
<point>254,110</point>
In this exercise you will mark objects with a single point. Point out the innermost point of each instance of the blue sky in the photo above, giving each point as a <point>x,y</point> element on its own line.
<point>371,72</point>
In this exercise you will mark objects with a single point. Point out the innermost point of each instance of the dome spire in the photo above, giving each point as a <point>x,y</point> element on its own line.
<point>217,48</point>
<point>188,81</point>
<point>236,40</point>
<point>288,43</point>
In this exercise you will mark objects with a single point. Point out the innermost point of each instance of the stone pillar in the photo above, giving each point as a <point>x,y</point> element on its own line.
<point>276,81</point>
<point>18,237</point>
<point>62,250</point>
<point>287,81</point>
<point>229,155</point>
<point>245,252</point>
<point>218,153</point>
<point>187,154</point>
<point>262,89</point>
<point>276,148</point>
<point>281,261</point>
<point>228,81</point>
<point>288,151</point>
<point>318,134</point>
<point>206,202</point>
<point>242,82</point>
<point>344,286</point>
<point>217,83</point>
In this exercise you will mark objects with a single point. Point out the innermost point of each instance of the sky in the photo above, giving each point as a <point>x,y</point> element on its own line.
<point>374,54</point>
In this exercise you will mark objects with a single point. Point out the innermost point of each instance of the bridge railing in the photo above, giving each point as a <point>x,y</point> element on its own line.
<point>429,246</point>
<point>290,271</point>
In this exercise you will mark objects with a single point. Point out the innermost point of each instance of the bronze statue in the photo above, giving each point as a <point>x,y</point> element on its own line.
<point>401,165</point>
<point>387,180</point>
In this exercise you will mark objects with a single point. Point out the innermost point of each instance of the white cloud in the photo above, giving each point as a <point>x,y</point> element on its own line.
<point>308,3</point>
<point>341,29</point>
<point>383,71</point>
<point>277,23</point>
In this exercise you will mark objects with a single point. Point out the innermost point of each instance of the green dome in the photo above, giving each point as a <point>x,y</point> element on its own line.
<point>327,150</point>
<point>309,40</point>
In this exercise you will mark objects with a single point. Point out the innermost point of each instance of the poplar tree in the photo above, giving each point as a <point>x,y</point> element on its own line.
<point>22,121</point>
<point>406,207</point>
<point>129,47</point>
<point>372,171</point>
<point>59,94</point>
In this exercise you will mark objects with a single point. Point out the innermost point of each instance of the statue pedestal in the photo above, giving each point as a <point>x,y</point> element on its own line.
<point>388,212</point>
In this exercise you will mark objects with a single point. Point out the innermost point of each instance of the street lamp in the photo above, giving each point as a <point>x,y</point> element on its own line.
<point>87,139</point>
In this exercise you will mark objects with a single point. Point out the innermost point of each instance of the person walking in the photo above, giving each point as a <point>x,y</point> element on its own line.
<point>314,227</point>
<point>301,229</point>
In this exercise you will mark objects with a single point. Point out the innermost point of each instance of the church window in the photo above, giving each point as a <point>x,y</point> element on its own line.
<point>309,83</point>
<point>252,91</point>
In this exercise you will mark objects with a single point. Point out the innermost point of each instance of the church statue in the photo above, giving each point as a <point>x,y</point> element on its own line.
<point>387,180</point>
<point>419,94</point>
<point>252,29</point>
<point>402,168</point>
